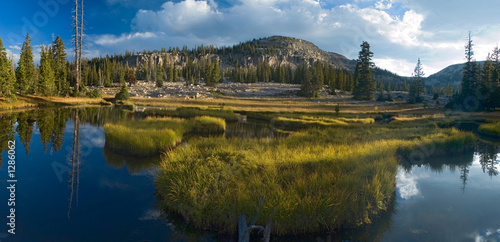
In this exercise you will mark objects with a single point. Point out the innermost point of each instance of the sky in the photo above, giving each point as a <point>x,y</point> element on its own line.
<point>399,31</point>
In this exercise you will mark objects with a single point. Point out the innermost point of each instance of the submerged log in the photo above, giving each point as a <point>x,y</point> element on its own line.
<point>245,230</point>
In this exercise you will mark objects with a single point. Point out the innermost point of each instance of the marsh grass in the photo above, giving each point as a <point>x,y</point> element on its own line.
<point>490,129</point>
<point>306,122</point>
<point>314,180</point>
<point>152,136</point>
<point>191,112</point>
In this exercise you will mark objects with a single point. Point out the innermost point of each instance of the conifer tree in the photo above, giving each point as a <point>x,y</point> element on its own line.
<point>60,71</point>
<point>46,85</point>
<point>416,87</point>
<point>159,77</point>
<point>25,72</point>
<point>7,77</point>
<point>469,83</point>
<point>365,87</point>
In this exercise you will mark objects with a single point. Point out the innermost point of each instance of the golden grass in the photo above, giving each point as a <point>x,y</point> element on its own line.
<point>315,180</point>
<point>490,129</point>
<point>152,136</point>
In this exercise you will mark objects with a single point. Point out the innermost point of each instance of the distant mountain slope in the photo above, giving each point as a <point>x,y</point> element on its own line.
<point>449,75</point>
<point>288,50</point>
<point>274,50</point>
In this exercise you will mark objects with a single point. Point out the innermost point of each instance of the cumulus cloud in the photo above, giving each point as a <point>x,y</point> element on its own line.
<point>399,31</point>
<point>406,185</point>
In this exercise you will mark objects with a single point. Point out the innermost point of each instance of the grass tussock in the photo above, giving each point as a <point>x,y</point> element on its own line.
<point>490,129</point>
<point>190,112</point>
<point>205,125</point>
<point>151,136</point>
<point>314,180</point>
<point>306,122</point>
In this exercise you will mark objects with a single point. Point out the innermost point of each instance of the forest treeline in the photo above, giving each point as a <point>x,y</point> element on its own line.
<point>250,62</point>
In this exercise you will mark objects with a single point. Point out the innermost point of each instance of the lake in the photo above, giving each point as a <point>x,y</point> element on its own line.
<point>71,189</point>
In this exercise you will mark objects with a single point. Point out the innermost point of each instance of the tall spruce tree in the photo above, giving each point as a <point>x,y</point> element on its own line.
<point>25,72</point>
<point>469,85</point>
<point>60,70</point>
<point>365,87</point>
<point>7,76</point>
<point>417,86</point>
<point>46,85</point>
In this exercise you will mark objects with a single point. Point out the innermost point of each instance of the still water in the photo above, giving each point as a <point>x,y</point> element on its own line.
<point>69,187</point>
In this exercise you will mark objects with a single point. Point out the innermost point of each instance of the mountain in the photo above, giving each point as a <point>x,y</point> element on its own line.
<point>294,51</point>
<point>269,52</point>
<point>449,75</point>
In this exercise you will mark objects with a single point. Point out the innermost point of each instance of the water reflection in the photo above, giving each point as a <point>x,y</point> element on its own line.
<point>443,199</point>
<point>448,198</point>
<point>64,176</point>
<point>133,164</point>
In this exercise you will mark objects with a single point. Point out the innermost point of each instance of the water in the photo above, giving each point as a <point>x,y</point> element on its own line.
<point>107,197</point>
<point>103,196</point>
<point>457,201</point>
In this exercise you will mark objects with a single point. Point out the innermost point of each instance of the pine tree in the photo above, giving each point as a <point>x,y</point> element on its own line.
<point>46,85</point>
<point>61,75</point>
<point>159,77</point>
<point>416,87</point>
<point>366,85</point>
<point>487,85</point>
<point>469,85</point>
<point>317,80</point>
<point>7,77</point>
<point>25,72</point>
<point>214,76</point>
<point>306,88</point>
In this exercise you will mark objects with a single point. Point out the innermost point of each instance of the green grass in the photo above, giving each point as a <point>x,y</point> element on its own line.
<point>152,136</point>
<point>305,122</point>
<point>490,129</point>
<point>314,180</point>
<point>191,112</point>
<point>205,125</point>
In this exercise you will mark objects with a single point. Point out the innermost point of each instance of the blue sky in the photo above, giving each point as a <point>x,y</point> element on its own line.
<point>399,31</point>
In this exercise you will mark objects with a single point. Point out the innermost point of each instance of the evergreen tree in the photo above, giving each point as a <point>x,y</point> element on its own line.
<point>175,73</point>
<point>213,76</point>
<point>7,76</point>
<point>306,88</point>
<point>469,85</point>
<point>46,85</point>
<point>159,77</point>
<point>366,85</point>
<point>60,71</point>
<point>486,84</point>
<point>317,80</point>
<point>25,72</point>
<point>416,87</point>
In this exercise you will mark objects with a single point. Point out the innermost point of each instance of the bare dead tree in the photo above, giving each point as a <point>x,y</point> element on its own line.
<point>78,39</point>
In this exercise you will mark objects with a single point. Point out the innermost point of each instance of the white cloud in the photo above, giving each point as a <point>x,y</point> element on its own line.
<point>406,184</point>
<point>399,31</point>
<point>179,17</point>
<point>383,4</point>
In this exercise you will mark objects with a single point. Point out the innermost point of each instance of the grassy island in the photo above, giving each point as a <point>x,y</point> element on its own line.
<point>317,179</point>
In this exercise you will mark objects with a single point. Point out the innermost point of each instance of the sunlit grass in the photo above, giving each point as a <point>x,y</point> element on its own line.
<point>490,129</point>
<point>315,180</point>
<point>151,136</point>
<point>190,112</point>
